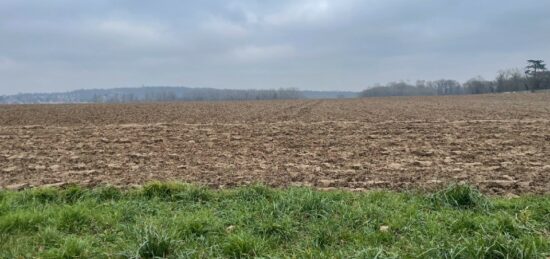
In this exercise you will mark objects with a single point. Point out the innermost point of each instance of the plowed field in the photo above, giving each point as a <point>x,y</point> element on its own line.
<point>500,143</point>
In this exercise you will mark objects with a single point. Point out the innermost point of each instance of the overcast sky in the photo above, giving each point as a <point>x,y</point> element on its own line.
<point>59,45</point>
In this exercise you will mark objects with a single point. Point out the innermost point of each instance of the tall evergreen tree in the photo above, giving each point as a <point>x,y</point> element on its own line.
<point>532,70</point>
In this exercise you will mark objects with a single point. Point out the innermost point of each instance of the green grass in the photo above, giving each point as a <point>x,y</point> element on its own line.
<point>184,221</point>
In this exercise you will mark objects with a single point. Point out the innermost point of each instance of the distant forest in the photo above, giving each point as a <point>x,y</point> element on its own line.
<point>169,94</point>
<point>535,77</point>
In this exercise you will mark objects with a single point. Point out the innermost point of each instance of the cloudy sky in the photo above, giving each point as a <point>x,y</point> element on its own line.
<point>59,45</point>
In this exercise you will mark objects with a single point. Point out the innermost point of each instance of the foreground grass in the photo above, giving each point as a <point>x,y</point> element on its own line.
<point>179,221</point>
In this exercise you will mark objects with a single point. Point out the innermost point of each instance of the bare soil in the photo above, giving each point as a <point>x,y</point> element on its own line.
<point>500,143</point>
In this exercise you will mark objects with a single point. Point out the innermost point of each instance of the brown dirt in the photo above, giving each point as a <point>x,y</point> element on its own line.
<point>500,143</point>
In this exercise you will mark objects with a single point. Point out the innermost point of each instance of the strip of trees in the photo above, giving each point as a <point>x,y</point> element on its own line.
<point>200,94</point>
<point>153,94</point>
<point>535,77</point>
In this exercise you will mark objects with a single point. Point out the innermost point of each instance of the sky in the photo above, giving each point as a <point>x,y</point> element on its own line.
<point>61,45</point>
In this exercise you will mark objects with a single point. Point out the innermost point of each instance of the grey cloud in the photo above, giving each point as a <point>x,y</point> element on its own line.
<point>312,44</point>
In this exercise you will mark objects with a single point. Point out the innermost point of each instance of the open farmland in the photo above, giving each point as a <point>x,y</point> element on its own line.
<point>499,143</point>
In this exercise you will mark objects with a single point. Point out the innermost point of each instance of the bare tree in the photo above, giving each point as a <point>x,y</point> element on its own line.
<point>478,85</point>
<point>510,80</point>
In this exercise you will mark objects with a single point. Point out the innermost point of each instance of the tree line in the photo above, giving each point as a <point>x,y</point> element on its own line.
<point>154,94</point>
<point>199,94</point>
<point>534,77</point>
